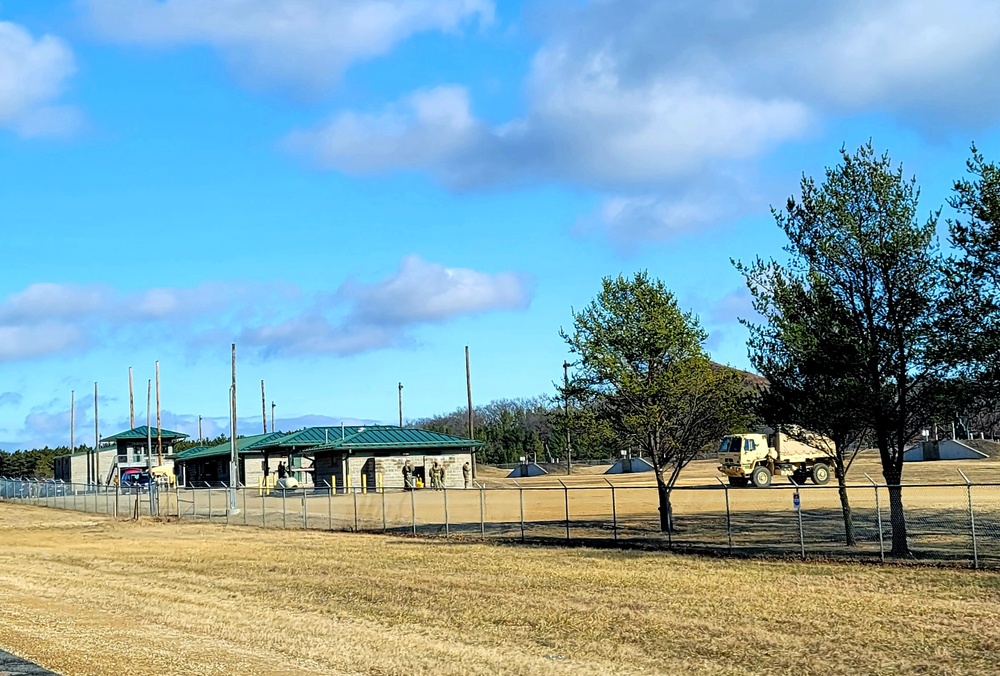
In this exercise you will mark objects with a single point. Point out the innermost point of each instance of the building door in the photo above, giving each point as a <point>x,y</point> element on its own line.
<point>368,471</point>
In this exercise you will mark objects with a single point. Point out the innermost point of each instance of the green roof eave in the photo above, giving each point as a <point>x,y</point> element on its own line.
<point>141,432</point>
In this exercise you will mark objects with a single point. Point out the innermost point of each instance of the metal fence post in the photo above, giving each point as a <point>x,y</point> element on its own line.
<point>566,501</point>
<point>354,491</point>
<point>447,526</point>
<point>878,514</point>
<point>413,509</point>
<point>329,506</point>
<point>244,505</point>
<point>729,516</point>
<point>263,506</point>
<point>482,513</point>
<point>972,521</point>
<point>384,527</point>
<point>209,502</point>
<point>614,510</point>
<point>305,511</point>
<point>521,496</point>
<point>284,512</point>
<point>798,511</point>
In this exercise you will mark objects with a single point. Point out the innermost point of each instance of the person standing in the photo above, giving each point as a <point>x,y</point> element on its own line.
<point>407,476</point>
<point>282,472</point>
<point>466,474</point>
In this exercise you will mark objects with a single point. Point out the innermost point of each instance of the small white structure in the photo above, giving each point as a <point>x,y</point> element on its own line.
<point>944,449</point>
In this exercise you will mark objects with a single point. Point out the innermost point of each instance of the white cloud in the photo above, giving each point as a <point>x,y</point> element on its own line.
<point>33,75</point>
<point>655,105</point>
<point>38,340</point>
<point>598,134</point>
<point>46,318</point>
<point>422,292</point>
<point>382,314</point>
<point>306,42</point>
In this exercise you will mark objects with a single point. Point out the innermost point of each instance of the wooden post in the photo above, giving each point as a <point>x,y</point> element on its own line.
<point>569,447</point>
<point>401,404</point>
<point>159,437</point>
<point>131,401</point>
<point>199,429</point>
<point>97,443</point>
<point>234,458</point>
<point>263,406</point>
<point>468,389</point>
<point>72,423</point>
<point>149,430</point>
<point>272,416</point>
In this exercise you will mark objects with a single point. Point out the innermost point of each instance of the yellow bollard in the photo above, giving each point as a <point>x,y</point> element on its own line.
<point>378,482</point>
<point>364,483</point>
<point>347,483</point>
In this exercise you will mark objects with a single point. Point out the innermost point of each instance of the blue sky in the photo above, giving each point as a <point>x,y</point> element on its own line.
<point>354,190</point>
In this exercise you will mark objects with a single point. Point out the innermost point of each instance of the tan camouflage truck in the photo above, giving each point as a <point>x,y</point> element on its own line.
<point>755,458</point>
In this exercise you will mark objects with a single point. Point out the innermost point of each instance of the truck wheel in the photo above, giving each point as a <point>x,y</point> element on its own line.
<point>738,481</point>
<point>820,474</point>
<point>761,477</point>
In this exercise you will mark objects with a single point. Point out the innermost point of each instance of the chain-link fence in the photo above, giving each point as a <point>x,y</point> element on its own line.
<point>956,523</point>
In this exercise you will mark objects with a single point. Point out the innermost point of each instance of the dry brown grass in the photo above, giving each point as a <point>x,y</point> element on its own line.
<point>90,596</point>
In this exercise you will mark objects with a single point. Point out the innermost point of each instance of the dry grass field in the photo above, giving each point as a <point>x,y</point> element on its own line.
<point>82,594</point>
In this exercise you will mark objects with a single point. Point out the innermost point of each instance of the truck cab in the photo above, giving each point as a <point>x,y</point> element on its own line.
<point>756,458</point>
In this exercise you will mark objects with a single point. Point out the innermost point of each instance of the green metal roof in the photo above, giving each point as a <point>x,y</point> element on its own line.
<point>315,436</point>
<point>141,432</point>
<point>389,436</point>
<point>243,445</point>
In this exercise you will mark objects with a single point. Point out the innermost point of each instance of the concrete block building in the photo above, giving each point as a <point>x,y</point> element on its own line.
<point>124,450</point>
<point>336,456</point>
<point>379,452</point>
<point>211,464</point>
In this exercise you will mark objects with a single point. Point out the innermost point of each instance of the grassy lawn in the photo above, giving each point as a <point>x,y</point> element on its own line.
<point>81,594</point>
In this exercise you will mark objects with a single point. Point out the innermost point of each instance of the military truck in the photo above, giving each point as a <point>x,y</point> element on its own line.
<point>756,458</point>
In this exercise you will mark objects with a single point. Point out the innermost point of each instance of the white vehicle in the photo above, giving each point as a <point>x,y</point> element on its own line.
<point>755,458</point>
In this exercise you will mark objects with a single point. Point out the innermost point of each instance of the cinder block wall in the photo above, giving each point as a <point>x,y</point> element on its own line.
<point>391,468</point>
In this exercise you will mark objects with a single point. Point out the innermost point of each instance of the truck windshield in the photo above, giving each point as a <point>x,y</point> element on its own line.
<point>730,445</point>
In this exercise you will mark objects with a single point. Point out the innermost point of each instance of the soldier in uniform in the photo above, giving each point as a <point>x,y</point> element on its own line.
<point>407,476</point>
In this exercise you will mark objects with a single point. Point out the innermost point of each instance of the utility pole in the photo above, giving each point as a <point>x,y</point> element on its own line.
<point>159,435</point>
<point>234,457</point>
<point>149,430</point>
<point>131,402</point>
<point>199,429</point>
<point>569,447</point>
<point>263,406</point>
<point>468,389</point>
<point>272,416</point>
<point>72,421</point>
<point>401,404</point>
<point>97,443</point>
